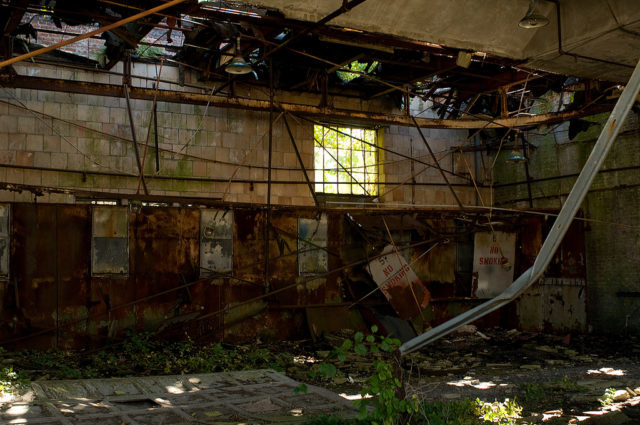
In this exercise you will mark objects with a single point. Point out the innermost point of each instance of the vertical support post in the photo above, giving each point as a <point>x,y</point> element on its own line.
<point>302,167</point>
<point>435,160</point>
<point>155,136</point>
<point>127,79</point>
<point>526,170</point>
<point>267,224</point>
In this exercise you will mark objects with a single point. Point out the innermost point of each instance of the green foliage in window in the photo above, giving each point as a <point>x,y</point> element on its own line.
<point>345,160</point>
<point>364,67</point>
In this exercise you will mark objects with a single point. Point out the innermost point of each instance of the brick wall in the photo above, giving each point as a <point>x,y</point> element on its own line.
<point>48,34</point>
<point>84,142</point>
<point>612,239</point>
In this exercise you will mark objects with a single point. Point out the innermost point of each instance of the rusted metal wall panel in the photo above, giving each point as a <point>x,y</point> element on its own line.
<point>283,266</point>
<point>554,305</point>
<point>436,266</point>
<point>53,293</point>
<point>166,250</point>
<point>557,302</point>
<point>73,225</point>
<point>34,264</point>
<point>248,257</point>
<point>4,241</point>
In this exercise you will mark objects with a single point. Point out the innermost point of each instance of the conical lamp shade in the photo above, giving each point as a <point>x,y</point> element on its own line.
<point>238,65</point>
<point>516,156</point>
<point>533,19</point>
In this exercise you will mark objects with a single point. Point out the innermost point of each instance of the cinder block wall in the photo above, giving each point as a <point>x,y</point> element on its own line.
<point>78,141</point>
<point>612,237</point>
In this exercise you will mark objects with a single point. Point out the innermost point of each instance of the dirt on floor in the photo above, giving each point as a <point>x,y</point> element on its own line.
<point>562,379</point>
<point>555,378</point>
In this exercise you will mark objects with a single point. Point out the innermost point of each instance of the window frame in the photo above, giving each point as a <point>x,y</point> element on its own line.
<point>106,226</point>
<point>346,178</point>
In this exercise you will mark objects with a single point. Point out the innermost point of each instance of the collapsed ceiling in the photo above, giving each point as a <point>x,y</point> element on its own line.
<point>468,60</point>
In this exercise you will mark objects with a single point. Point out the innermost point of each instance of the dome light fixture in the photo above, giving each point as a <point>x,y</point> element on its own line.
<point>532,19</point>
<point>238,65</point>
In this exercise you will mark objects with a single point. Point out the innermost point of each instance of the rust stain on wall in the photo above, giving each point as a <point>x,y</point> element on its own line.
<point>53,300</point>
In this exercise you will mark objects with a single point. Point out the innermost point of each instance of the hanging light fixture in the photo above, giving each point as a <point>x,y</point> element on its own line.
<point>533,19</point>
<point>516,156</point>
<point>238,65</point>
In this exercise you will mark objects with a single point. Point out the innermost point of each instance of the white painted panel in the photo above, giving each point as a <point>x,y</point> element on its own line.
<point>493,259</point>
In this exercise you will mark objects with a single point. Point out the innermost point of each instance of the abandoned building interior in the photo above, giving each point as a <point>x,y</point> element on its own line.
<point>454,182</point>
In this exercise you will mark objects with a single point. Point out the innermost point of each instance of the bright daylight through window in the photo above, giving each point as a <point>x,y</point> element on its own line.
<point>346,160</point>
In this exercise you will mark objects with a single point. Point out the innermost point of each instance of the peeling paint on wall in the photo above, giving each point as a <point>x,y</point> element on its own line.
<point>312,243</point>
<point>216,242</point>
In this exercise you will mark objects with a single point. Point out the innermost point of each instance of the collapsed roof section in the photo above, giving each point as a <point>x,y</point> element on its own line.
<point>318,58</point>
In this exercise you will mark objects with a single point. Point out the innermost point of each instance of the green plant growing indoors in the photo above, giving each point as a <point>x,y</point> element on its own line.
<point>382,391</point>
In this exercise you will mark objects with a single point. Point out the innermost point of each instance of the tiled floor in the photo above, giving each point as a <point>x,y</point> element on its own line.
<point>257,396</point>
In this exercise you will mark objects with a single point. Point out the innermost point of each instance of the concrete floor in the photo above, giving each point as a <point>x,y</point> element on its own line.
<point>256,396</point>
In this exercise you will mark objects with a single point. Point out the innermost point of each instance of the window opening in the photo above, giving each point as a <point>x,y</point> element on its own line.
<point>313,258</point>
<point>346,160</point>
<point>216,242</point>
<point>110,241</point>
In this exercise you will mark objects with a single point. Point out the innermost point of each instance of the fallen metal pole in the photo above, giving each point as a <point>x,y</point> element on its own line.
<point>567,213</point>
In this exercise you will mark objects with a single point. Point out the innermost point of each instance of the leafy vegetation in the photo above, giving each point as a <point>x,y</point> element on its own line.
<point>499,412</point>
<point>607,397</point>
<point>144,354</point>
<point>148,52</point>
<point>10,380</point>
<point>532,393</point>
<point>382,399</point>
<point>449,413</point>
<point>464,412</point>
<point>364,67</point>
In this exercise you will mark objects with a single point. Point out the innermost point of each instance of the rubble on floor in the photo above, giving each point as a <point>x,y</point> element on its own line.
<point>556,379</point>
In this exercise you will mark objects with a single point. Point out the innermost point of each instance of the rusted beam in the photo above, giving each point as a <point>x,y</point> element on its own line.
<point>267,224</point>
<point>90,194</point>
<point>302,167</point>
<point>91,33</point>
<point>111,90</point>
<point>424,77</point>
<point>435,160</point>
<point>127,80</point>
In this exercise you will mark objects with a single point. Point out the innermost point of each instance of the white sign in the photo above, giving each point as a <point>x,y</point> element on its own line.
<point>494,255</point>
<point>399,283</point>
